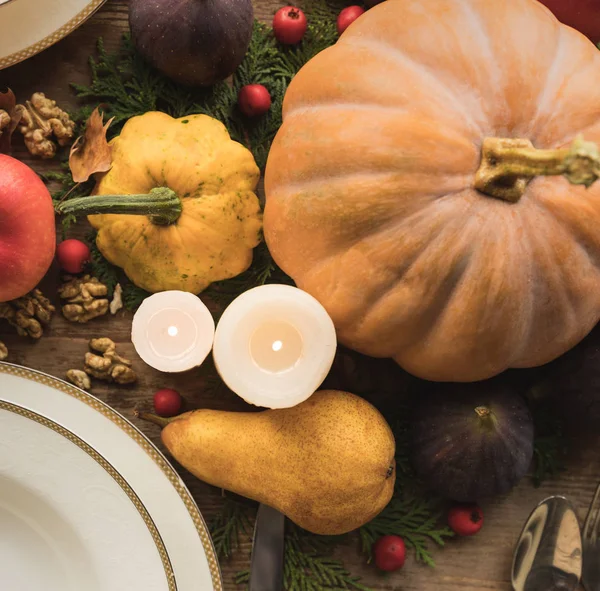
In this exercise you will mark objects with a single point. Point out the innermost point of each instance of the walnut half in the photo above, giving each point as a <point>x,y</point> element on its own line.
<point>4,120</point>
<point>42,122</point>
<point>28,314</point>
<point>79,378</point>
<point>109,366</point>
<point>84,298</point>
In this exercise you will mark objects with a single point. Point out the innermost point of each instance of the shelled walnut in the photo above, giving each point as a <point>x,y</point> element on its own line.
<point>85,298</point>
<point>42,121</point>
<point>79,378</point>
<point>108,366</point>
<point>3,351</point>
<point>4,120</point>
<point>28,314</point>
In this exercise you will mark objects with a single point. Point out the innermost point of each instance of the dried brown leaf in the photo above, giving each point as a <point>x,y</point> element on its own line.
<point>8,103</point>
<point>91,153</point>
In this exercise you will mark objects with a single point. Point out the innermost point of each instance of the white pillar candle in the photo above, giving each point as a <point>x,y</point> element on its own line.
<point>274,346</point>
<point>173,331</point>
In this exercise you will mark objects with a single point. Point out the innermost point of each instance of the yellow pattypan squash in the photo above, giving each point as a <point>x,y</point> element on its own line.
<point>194,187</point>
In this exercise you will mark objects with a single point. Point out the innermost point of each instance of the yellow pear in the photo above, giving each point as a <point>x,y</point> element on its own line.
<point>327,464</point>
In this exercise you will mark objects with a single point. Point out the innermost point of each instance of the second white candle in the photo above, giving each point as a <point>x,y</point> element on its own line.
<point>274,346</point>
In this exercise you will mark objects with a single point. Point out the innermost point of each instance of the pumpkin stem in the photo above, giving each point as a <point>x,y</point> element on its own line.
<point>507,165</point>
<point>161,205</point>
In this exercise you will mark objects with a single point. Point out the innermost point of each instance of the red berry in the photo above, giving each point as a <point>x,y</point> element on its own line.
<point>389,553</point>
<point>167,402</point>
<point>72,255</point>
<point>348,16</point>
<point>254,100</point>
<point>289,25</point>
<point>465,520</point>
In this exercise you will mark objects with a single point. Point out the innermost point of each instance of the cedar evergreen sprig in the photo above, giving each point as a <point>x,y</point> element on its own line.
<point>228,526</point>
<point>548,456</point>
<point>415,517</point>
<point>65,188</point>
<point>309,566</point>
<point>550,443</point>
<point>308,563</point>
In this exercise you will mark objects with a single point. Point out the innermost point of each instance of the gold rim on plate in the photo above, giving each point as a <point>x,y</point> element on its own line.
<point>53,38</point>
<point>133,432</point>
<point>112,472</point>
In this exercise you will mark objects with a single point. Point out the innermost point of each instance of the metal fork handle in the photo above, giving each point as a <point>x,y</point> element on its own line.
<point>591,550</point>
<point>590,527</point>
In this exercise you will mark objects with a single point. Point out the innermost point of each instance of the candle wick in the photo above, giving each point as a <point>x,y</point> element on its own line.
<point>277,345</point>
<point>172,331</point>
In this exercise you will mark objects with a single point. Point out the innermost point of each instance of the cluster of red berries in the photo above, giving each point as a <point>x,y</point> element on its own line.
<point>389,552</point>
<point>289,27</point>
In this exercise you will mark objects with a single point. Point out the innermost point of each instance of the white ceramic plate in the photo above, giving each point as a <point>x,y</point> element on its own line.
<point>29,26</point>
<point>87,502</point>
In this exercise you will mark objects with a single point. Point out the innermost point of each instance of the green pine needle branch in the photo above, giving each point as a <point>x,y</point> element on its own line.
<point>415,518</point>
<point>550,444</point>
<point>227,527</point>
<point>62,187</point>
<point>309,566</point>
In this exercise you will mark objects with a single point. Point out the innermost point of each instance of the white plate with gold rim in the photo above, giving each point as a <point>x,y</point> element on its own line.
<point>87,502</point>
<point>29,26</point>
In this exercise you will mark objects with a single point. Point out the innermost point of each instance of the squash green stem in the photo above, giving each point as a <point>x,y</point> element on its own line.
<point>508,165</point>
<point>161,205</point>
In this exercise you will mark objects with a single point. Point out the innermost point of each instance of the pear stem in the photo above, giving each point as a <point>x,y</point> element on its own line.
<point>151,418</point>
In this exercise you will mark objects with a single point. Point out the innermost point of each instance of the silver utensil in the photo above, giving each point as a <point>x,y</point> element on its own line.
<point>548,556</point>
<point>591,545</point>
<point>266,565</point>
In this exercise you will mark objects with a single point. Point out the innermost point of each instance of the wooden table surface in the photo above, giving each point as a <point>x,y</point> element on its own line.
<point>480,563</point>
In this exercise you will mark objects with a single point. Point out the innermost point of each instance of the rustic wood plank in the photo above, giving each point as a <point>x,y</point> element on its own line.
<point>478,564</point>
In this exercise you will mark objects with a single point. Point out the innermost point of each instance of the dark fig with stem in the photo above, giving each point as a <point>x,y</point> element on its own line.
<point>471,441</point>
<point>193,42</point>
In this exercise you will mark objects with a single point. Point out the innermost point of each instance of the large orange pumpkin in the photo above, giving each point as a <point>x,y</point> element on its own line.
<point>372,205</point>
